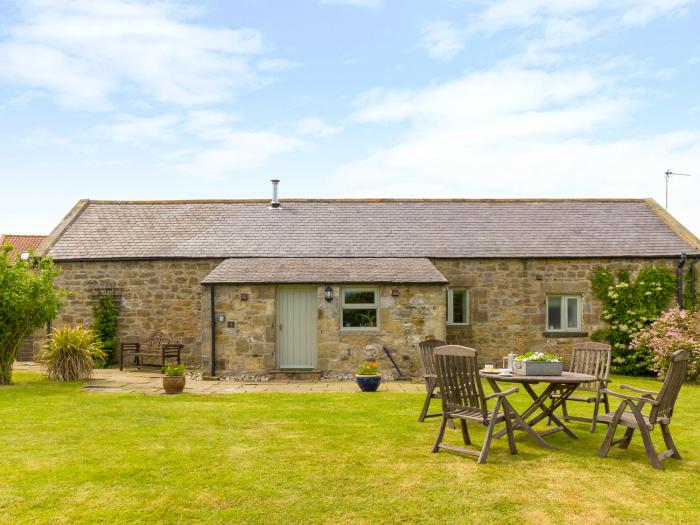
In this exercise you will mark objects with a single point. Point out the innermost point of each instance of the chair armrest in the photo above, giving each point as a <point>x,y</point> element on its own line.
<point>502,394</point>
<point>639,390</point>
<point>631,398</point>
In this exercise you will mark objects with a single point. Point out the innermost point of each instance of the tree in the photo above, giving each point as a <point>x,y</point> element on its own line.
<point>28,300</point>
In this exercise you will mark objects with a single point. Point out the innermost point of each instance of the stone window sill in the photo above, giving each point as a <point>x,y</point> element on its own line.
<point>560,335</point>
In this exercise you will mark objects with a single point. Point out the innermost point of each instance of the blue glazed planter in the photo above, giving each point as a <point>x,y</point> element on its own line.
<point>368,383</point>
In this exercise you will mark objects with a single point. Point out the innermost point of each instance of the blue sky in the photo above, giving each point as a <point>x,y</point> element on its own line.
<point>346,98</point>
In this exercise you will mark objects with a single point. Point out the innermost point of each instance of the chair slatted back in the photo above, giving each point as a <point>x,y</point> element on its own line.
<point>426,354</point>
<point>666,399</point>
<point>458,379</point>
<point>130,347</point>
<point>593,359</point>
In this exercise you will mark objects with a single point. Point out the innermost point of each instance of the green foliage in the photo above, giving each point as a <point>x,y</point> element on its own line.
<point>71,353</point>
<point>628,306</point>
<point>688,288</point>
<point>28,300</point>
<point>105,315</point>
<point>370,368</point>
<point>171,369</point>
<point>538,356</point>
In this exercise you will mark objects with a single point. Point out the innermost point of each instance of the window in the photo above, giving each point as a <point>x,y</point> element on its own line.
<point>563,313</point>
<point>359,307</point>
<point>457,306</point>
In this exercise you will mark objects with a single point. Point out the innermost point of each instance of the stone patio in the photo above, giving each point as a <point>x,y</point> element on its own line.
<point>149,382</point>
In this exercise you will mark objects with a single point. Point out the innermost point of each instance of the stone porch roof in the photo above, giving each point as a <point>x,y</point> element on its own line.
<point>325,270</point>
<point>99,230</point>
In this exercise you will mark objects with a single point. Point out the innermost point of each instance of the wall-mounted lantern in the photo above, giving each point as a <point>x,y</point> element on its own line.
<point>221,318</point>
<point>328,294</point>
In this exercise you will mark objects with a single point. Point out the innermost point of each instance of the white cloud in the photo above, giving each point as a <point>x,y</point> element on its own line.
<point>317,127</point>
<point>477,97</point>
<point>516,133</point>
<point>240,151</point>
<point>551,25</point>
<point>85,52</point>
<point>442,40</point>
<point>140,130</point>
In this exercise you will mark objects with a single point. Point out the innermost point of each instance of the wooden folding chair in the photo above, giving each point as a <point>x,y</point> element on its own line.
<point>463,399</point>
<point>592,359</point>
<point>426,356</point>
<point>629,413</point>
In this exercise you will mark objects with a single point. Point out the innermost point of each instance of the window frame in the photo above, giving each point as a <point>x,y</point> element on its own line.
<point>359,306</point>
<point>564,313</point>
<point>450,305</point>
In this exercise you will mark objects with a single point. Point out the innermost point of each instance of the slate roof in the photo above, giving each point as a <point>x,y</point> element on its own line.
<point>369,228</point>
<point>21,243</point>
<point>325,270</point>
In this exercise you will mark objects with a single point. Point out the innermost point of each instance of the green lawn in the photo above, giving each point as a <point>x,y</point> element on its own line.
<point>74,457</point>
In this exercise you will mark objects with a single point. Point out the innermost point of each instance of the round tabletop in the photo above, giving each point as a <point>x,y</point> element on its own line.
<point>565,377</point>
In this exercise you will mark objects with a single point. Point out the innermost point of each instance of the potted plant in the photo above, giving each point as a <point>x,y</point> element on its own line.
<point>173,378</point>
<point>538,364</point>
<point>368,376</point>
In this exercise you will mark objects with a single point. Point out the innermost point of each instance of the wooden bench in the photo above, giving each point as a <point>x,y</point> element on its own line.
<point>167,351</point>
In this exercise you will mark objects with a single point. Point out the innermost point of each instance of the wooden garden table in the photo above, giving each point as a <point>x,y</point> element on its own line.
<point>564,384</point>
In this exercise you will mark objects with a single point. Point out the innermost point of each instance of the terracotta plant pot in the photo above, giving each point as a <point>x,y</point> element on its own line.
<point>368,383</point>
<point>173,384</point>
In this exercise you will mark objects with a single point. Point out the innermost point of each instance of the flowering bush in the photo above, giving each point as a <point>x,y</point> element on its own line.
<point>538,356</point>
<point>629,306</point>
<point>368,369</point>
<point>675,330</point>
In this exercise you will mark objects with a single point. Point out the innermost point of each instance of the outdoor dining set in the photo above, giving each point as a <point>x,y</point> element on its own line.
<point>453,376</point>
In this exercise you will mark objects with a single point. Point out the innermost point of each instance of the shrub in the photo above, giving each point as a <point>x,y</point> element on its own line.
<point>675,330</point>
<point>628,306</point>
<point>28,300</point>
<point>71,353</point>
<point>105,315</point>
<point>171,369</point>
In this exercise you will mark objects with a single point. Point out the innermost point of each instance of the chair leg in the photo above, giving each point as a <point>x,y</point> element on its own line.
<point>646,438</point>
<point>606,402</point>
<point>596,406</point>
<point>429,389</point>
<point>649,447</point>
<point>626,439</point>
<point>489,434</point>
<point>607,442</point>
<point>509,433</point>
<point>670,445</point>
<point>465,432</point>
<point>441,433</point>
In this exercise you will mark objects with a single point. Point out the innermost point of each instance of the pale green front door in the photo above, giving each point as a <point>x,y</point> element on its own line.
<point>296,327</point>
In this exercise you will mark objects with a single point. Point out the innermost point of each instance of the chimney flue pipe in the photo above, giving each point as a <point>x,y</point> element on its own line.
<point>275,202</point>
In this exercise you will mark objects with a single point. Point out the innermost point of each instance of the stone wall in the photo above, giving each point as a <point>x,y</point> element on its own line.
<point>507,300</point>
<point>506,303</point>
<point>417,313</point>
<point>152,295</point>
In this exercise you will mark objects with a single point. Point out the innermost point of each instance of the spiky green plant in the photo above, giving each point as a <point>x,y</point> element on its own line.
<point>71,353</point>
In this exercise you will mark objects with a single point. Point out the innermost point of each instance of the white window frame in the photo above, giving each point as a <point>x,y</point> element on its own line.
<point>359,306</point>
<point>564,313</point>
<point>450,304</point>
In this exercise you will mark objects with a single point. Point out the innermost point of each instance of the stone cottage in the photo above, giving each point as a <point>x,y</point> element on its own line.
<point>317,286</point>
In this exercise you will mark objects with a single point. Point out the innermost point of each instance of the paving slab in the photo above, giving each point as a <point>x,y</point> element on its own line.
<point>111,380</point>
